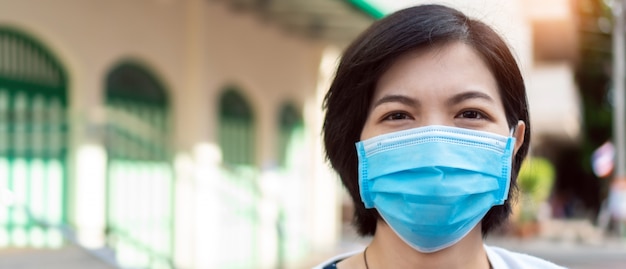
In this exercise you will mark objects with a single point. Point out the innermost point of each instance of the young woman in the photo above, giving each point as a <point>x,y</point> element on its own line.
<point>436,106</point>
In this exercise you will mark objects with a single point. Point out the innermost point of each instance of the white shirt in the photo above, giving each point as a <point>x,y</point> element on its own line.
<point>503,259</point>
<point>498,257</point>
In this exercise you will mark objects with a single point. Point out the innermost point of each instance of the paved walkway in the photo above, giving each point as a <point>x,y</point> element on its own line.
<point>609,253</point>
<point>68,257</point>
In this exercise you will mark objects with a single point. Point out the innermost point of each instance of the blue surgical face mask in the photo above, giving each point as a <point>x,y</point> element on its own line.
<point>433,184</point>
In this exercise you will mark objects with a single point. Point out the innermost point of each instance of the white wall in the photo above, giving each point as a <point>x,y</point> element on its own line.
<point>554,102</point>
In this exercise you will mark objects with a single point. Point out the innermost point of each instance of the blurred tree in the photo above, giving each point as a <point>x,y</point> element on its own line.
<point>593,75</point>
<point>536,178</point>
<point>535,181</point>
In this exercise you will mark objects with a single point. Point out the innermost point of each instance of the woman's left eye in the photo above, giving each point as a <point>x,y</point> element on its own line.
<point>471,114</point>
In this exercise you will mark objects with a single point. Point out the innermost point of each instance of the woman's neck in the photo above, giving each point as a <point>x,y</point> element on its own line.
<point>387,250</point>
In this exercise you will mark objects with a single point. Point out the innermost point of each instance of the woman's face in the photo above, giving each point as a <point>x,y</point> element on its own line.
<point>446,85</point>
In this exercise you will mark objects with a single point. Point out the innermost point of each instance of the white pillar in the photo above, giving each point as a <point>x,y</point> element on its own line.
<point>87,196</point>
<point>191,129</point>
<point>325,203</point>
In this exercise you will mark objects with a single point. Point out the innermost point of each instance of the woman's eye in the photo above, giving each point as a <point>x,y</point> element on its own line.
<point>471,114</point>
<point>397,116</point>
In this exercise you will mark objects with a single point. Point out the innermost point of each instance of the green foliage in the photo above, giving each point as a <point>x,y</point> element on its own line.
<point>593,71</point>
<point>593,74</point>
<point>536,179</point>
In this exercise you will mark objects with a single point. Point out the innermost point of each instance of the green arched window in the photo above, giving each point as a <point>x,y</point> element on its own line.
<point>236,129</point>
<point>292,158</point>
<point>239,192</point>
<point>139,174</point>
<point>290,134</point>
<point>137,107</point>
<point>33,141</point>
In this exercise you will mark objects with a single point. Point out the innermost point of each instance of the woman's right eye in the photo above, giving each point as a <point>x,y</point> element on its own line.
<point>397,116</point>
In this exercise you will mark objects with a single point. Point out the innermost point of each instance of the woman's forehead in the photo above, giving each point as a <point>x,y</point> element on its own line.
<point>439,70</point>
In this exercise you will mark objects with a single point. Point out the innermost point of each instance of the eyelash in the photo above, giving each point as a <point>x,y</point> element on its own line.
<point>479,115</point>
<point>389,116</point>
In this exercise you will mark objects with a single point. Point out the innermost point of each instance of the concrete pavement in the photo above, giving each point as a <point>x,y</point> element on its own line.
<point>610,253</point>
<point>68,257</point>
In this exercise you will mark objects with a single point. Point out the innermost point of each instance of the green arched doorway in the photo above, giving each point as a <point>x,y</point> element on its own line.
<point>291,159</point>
<point>140,186</point>
<point>236,129</point>
<point>239,193</point>
<point>33,142</point>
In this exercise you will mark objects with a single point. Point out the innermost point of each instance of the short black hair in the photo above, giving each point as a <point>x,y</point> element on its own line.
<point>347,102</point>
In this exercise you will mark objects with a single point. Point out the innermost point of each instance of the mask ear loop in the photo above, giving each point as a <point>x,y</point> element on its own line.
<point>514,128</point>
<point>510,172</point>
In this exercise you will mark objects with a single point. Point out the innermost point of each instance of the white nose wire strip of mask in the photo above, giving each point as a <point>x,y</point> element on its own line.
<point>483,140</point>
<point>446,131</point>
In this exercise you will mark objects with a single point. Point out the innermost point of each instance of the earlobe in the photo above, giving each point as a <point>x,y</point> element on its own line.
<point>520,130</point>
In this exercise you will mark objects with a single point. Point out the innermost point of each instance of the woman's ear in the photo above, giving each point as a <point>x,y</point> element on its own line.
<point>520,130</point>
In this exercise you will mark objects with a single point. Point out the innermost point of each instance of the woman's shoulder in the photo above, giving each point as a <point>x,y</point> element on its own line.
<point>504,259</point>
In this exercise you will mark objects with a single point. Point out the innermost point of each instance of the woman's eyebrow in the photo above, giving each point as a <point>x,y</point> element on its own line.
<point>458,98</point>
<point>397,99</point>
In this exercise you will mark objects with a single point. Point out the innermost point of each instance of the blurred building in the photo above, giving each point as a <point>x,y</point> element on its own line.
<point>185,134</point>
